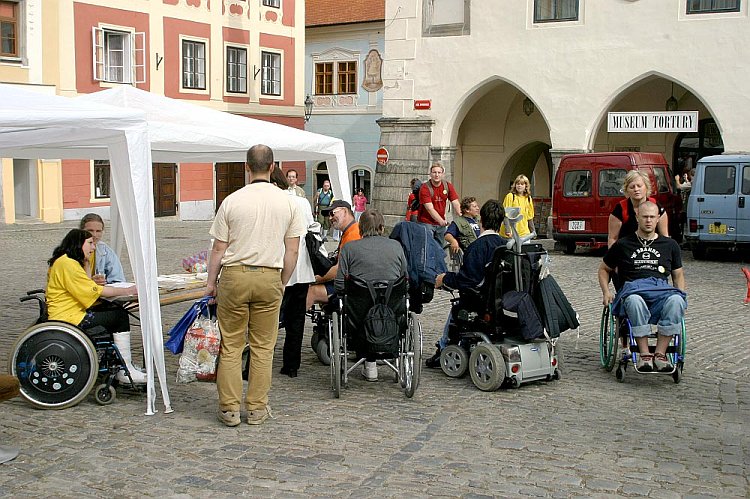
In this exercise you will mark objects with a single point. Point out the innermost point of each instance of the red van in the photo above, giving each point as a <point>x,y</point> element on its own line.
<point>588,186</point>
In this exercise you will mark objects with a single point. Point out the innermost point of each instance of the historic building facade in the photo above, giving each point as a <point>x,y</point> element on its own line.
<point>239,56</point>
<point>344,45</point>
<point>494,89</point>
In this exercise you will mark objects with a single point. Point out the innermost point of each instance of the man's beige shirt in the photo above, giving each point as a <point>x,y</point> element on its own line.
<point>254,221</point>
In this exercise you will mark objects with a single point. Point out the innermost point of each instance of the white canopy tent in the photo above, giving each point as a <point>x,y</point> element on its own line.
<point>34,125</point>
<point>180,131</point>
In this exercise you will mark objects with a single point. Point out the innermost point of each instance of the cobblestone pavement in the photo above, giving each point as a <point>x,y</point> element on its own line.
<point>584,435</point>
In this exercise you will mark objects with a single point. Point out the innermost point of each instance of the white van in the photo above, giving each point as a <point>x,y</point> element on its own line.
<point>718,210</point>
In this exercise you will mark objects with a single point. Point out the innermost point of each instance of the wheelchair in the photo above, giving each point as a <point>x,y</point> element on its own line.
<point>348,319</point>
<point>58,364</point>
<point>320,316</point>
<point>483,339</point>
<point>615,334</point>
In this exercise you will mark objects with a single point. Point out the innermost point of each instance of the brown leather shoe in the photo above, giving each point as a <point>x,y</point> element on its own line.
<point>9,387</point>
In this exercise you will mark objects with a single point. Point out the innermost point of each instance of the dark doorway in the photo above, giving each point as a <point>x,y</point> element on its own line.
<point>690,147</point>
<point>165,189</point>
<point>361,178</point>
<point>229,178</point>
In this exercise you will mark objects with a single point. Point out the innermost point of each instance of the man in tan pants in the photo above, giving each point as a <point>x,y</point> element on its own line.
<point>256,240</point>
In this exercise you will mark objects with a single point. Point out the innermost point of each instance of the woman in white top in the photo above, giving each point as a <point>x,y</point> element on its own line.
<point>295,294</point>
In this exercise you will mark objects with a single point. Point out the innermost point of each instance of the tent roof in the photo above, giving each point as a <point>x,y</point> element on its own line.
<point>181,131</point>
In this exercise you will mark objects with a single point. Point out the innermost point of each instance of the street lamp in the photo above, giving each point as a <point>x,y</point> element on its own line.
<point>308,108</point>
<point>671,104</point>
<point>528,106</point>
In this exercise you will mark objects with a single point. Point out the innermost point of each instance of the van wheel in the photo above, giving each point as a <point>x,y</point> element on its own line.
<point>699,251</point>
<point>569,248</point>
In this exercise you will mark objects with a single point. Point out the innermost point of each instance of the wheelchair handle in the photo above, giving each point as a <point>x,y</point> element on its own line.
<point>27,298</point>
<point>34,292</point>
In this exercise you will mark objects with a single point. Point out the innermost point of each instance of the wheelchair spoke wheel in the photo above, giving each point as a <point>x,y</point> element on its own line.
<point>412,356</point>
<point>487,367</point>
<point>335,355</point>
<point>454,361</point>
<point>56,364</point>
<point>608,339</point>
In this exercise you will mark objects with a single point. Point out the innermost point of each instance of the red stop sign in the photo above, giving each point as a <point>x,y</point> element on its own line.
<point>382,156</point>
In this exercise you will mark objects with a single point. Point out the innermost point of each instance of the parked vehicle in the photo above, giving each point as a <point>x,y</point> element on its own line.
<point>718,212</point>
<point>588,186</point>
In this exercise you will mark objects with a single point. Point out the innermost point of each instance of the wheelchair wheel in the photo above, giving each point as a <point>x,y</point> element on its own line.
<point>335,355</point>
<point>56,364</point>
<point>322,350</point>
<point>454,361</point>
<point>487,367</point>
<point>608,340</point>
<point>314,339</point>
<point>620,373</point>
<point>105,395</point>
<point>412,356</point>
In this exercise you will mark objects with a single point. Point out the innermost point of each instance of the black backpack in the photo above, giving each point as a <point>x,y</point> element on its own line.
<point>521,316</point>
<point>381,325</point>
<point>319,259</point>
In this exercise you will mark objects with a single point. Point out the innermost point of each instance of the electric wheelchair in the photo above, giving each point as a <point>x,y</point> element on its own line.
<point>617,347</point>
<point>484,338</point>
<point>346,333</point>
<point>58,364</point>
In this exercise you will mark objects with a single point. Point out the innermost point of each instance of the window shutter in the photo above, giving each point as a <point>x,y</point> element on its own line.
<point>139,68</point>
<point>97,38</point>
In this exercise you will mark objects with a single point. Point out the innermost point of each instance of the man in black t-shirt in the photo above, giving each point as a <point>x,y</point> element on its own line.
<point>644,262</point>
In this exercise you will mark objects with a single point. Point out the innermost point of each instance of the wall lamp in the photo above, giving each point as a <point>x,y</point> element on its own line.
<point>308,108</point>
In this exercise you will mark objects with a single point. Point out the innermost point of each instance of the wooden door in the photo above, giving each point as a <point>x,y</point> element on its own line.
<point>229,178</point>
<point>165,189</point>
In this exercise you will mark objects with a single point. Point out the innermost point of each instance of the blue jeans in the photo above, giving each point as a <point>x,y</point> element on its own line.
<point>669,323</point>
<point>443,341</point>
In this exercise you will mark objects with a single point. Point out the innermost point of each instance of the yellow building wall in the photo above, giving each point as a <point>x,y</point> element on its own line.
<point>9,195</point>
<point>49,173</point>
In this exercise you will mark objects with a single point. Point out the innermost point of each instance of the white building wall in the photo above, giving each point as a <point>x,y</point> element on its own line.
<point>572,71</point>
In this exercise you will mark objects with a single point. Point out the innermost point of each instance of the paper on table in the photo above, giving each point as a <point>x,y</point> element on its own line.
<point>121,284</point>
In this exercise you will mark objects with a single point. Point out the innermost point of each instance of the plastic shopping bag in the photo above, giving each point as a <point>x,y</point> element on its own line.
<point>201,350</point>
<point>178,331</point>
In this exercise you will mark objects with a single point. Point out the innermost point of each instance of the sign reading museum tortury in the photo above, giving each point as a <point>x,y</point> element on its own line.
<point>667,121</point>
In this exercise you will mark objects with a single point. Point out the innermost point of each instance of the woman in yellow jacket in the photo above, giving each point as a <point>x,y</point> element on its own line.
<point>73,297</point>
<point>519,197</point>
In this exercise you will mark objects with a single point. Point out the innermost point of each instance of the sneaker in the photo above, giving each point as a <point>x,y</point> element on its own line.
<point>645,363</point>
<point>434,361</point>
<point>259,416</point>
<point>662,363</point>
<point>370,371</point>
<point>229,418</point>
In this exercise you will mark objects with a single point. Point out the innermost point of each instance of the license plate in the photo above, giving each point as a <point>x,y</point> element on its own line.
<point>717,229</point>
<point>576,225</point>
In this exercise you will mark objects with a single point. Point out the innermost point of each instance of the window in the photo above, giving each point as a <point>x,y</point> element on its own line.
<point>719,179</point>
<point>662,184</point>
<point>577,184</point>
<point>445,17</point>
<point>272,3</point>
<point>236,70</point>
<point>9,29</point>
<point>555,10</point>
<point>712,6</point>
<point>101,179</point>
<point>193,64</point>
<point>746,180</point>
<point>610,182</point>
<point>324,78</point>
<point>119,55</point>
<point>271,73</point>
<point>345,77</point>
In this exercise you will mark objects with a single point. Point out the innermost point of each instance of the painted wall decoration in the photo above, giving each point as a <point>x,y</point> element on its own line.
<point>373,80</point>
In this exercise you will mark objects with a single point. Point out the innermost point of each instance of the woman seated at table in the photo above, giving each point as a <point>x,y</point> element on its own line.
<point>105,266</point>
<point>73,297</point>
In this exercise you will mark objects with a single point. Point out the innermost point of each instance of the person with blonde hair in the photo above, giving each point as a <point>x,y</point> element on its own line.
<point>622,221</point>
<point>519,197</point>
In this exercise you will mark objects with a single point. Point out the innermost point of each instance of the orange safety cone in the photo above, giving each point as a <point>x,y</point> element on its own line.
<point>746,271</point>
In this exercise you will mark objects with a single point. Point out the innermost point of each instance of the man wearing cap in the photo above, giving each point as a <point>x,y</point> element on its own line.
<point>342,218</point>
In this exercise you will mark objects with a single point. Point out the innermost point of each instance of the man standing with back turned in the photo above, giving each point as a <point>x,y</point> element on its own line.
<point>256,240</point>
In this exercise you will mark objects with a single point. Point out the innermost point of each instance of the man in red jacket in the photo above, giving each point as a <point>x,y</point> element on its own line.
<point>433,198</point>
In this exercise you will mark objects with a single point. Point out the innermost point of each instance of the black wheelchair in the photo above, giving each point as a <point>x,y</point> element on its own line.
<point>58,364</point>
<point>346,334</point>
<point>617,347</point>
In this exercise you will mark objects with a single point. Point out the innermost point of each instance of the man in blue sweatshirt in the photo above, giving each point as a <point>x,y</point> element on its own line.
<point>477,256</point>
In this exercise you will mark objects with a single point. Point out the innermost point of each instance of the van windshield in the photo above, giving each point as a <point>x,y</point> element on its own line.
<point>719,179</point>
<point>610,182</point>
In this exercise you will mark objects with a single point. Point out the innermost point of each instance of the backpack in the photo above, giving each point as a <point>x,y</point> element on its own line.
<point>381,325</point>
<point>319,259</point>
<point>415,191</point>
<point>520,315</point>
<point>325,195</point>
